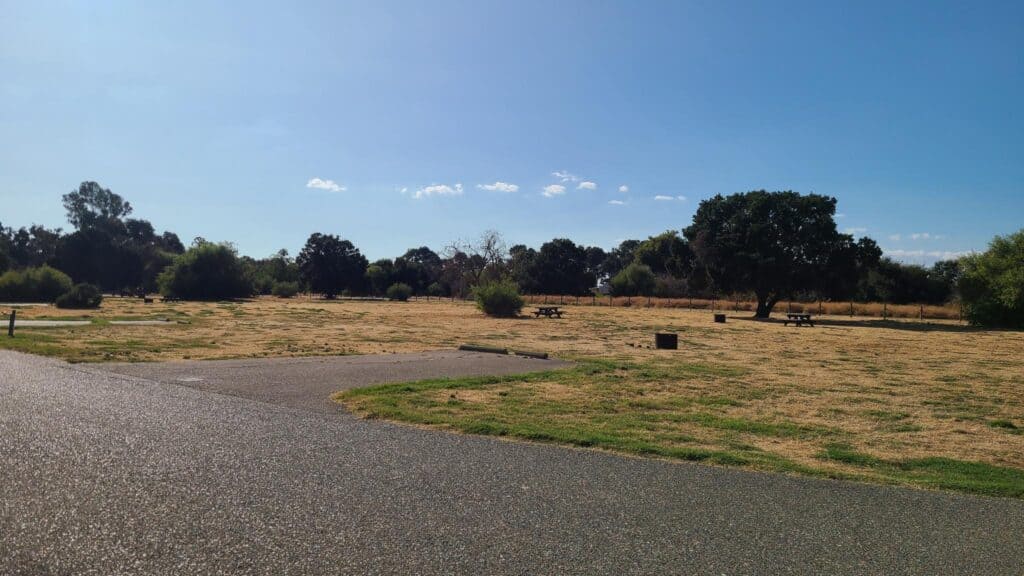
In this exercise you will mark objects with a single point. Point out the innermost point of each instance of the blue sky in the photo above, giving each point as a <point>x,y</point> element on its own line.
<point>213,121</point>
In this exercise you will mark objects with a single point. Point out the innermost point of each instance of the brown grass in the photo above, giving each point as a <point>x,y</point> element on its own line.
<point>850,309</point>
<point>894,390</point>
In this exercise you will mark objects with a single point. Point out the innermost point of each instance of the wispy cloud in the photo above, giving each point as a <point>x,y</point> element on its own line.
<point>616,202</point>
<point>565,176</point>
<point>926,236</point>
<point>499,187</point>
<point>553,190</point>
<point>840,216</point>
<point>895,237</point>
<point>926,255</point>
<point>855,230</point>
<point>663,198</point>
<point>329,185</point>
<point>623,188</point>
<point>681,198</point>
<point>438,190</point>
<point>587,185</point>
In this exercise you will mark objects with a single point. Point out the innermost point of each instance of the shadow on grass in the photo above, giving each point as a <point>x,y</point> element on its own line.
<point>908,325</point>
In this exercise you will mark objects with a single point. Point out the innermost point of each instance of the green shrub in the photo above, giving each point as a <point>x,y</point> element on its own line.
<point>206,272</point>
<point>634,280</point>
<point>435,289</point>
<point>81,296</point>
<point>500,299</point>
<point>285,289</point>
<point>43,284</point>
<point>399,291</point>
<point>992,284</point>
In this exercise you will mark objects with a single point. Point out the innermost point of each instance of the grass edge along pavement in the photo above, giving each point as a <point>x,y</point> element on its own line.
<point>510,411</point>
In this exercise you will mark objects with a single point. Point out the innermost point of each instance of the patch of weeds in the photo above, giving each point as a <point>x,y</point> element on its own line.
<point>1006,426</point>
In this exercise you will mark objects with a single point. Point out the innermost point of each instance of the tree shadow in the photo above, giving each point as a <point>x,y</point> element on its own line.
<point>908,325</point>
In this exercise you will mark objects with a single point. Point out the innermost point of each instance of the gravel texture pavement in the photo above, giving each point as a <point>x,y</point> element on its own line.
<point>105,473</point>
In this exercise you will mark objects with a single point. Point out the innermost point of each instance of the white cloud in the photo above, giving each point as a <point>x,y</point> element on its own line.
<point>329,185</point>
<point>438,190</point>
<point>587,185</point>
<point>855,230</point>
<point>404,190</point>
<point>565,176</point>
<point>895,237</point>
<point>499,187</point>
<point>616,202</point>
<point>840,216</point>
<point>926,236</point>
<point>623,188</point>
<point>553,190</point>
<point>681,198</point>
<point>663,198</point>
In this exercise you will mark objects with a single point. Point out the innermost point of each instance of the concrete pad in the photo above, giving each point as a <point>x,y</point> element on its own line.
<point>308,383</point>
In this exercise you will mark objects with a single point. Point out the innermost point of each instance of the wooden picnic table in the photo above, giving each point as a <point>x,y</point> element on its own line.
<point>549,311</point>
<point>798,318</point>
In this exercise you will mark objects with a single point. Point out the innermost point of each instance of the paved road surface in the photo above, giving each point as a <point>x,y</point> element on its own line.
<point>111,474</point>
<point>308,383</point>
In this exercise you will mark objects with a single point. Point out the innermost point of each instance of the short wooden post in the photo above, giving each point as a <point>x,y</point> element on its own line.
<point>851,308</point>
<point>10,325</point>
<point>921,316</point>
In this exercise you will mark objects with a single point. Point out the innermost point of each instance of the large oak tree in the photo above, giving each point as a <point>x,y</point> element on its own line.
<point>768,243</point>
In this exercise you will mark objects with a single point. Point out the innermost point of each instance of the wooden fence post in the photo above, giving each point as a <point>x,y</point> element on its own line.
<point>10,325</point>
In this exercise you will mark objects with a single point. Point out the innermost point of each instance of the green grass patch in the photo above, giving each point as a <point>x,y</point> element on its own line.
<point>935,472</point>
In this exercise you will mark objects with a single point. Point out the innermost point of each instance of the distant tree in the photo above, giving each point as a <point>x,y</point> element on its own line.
<point>92,204</point>
<point>419,268</point>
<point>33,246</point>
<point>992,283</point>
<point>378,276</point>
<point>330,265</point>
<point>850,265</point>
<point>207,271</point>
<point>522,267</point>
<point>561,268</point>
<point>666,254</point>
<point>595,261</point>
<point>769,243</point>
<point>170,242</point>
<point>620,257</point>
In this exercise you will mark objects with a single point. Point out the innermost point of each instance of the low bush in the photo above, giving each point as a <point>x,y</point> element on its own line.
<point>500,299</point>
<point>285,289</point>
<point>81,296</point>
<point>399,291</point>
<point>43,284</point>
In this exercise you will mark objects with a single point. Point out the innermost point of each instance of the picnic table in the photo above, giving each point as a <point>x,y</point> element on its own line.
<point>549,311</point>
<point>798,318</point>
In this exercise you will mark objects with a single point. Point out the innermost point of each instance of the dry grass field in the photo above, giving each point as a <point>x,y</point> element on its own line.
<point>929,404</point>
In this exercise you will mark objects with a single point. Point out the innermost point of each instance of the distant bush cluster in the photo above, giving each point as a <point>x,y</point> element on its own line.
<point>81,296</point>
<point>42,284</point>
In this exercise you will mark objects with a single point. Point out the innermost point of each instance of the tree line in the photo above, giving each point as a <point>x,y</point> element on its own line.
<point>769,245</point>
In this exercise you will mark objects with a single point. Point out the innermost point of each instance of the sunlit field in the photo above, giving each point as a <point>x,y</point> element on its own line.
<point>934,404</point>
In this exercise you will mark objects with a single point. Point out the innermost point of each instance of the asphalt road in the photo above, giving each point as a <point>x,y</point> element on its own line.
<point>308,383</point>
<point>103,473</point>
